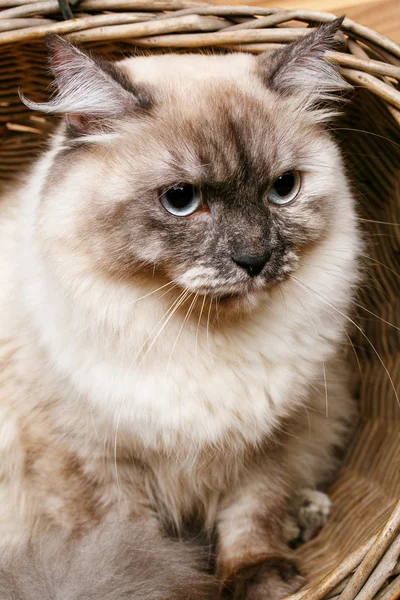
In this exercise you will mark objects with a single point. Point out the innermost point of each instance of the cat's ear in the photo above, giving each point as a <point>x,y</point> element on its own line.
<point>300,67</point>
<point>90,92</point>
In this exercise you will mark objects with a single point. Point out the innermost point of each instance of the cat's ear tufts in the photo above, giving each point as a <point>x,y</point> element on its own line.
<point>300,67</point>
<point>90,92</point>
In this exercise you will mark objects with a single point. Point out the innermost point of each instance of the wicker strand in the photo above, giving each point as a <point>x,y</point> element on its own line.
<point>372,557</point>
<point>52,6</point>
<point>364,64</point>
<point>336,576</point>
<point>301,15</point>
<point>373,84</point>
<point>12,24</point>
<point>117,27</point>
<point>381,573</point>
<point>13,3</point>
<point>355,48</point>
<point>270,21</point>
<point>225,11</point>
<point>361,64</point>
<point>203,40</point>
<point>392,592</point>
<point>40,27</point>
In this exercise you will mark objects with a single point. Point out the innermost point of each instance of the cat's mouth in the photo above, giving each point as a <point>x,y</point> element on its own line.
<point>236,302</point>
<point>232,292</point>
<point>229,297</point>
<point>241,293</point>
<point>245,298</point>
<point>225,301</point>
<point>222,295</point>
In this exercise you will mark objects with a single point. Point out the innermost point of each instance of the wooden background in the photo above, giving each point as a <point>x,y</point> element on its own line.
<point>382,15</point>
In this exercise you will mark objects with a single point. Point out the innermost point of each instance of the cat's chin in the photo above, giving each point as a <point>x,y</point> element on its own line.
<point>230,302</point>
<point>236,302</point>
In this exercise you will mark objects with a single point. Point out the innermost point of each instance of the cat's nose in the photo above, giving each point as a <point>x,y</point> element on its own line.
<point>251,263</point>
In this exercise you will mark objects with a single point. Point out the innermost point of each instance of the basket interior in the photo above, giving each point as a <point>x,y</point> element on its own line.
<point>368,484</point>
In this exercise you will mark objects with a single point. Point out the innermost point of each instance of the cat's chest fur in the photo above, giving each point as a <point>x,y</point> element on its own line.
<point>180,386</point>
<point>193,406</point>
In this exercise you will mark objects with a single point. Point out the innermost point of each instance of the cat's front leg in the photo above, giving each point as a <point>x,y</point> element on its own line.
<point>254,562</point>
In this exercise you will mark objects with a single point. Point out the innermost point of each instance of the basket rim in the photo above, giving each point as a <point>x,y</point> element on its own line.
<point>369,59</point>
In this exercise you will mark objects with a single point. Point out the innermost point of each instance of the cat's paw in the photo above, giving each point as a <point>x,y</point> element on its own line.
<point>272,579</point>
<point>314,509</point>
<point>310,513</point>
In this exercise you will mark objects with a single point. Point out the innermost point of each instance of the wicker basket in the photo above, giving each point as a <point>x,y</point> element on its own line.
<point>356,554</point>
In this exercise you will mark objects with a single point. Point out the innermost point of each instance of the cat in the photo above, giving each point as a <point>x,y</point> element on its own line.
<point>177,273</point>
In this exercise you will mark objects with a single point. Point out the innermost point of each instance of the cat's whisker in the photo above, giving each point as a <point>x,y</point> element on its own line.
<point>332,272</point>
<point>322,361</point>
<point>172,283</point>
<point>350,343</point>
<point>187,316</point>
<point>363,254</point>
<point>198,327</point>
<point>349,281</point>
<point>375,315</point>
<point>357,303</point>
<point>173,308</point>
<point>378,262</point>
<point>208,328</point>
<point>171,311</point>
<point>374,156</point>
<point>217,308</point>
<point>380,235</point>
<point>377,135</point>
<point>359,329</point>
<point>352,346</point>
<point>379,222</point>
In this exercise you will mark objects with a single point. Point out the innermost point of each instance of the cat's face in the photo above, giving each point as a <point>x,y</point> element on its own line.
<point>216,176</point>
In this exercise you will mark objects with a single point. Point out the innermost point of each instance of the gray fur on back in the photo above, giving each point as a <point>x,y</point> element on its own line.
<point>113,562</point>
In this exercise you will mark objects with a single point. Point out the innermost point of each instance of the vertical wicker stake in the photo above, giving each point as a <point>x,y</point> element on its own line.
<point>65,9</point>
<point>389,537</point>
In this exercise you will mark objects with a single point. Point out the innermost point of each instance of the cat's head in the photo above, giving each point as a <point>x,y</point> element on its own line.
<point>215,172</point>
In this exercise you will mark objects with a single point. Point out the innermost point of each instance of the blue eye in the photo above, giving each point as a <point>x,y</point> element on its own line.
<point>285,188</point>
<point>181,200</point>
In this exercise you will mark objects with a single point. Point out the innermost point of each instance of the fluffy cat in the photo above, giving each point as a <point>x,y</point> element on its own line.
<point>176,279</point>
